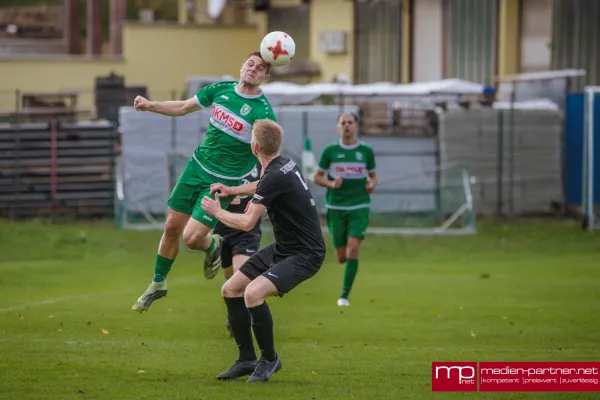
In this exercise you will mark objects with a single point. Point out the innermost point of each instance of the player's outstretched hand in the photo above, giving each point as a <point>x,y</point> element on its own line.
<point>337,183</point>
<point>224,191</point>
<point>211,206</point>
<point>141,103</point>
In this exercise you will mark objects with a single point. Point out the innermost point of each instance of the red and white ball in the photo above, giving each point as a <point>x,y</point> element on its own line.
<point>277,48</point>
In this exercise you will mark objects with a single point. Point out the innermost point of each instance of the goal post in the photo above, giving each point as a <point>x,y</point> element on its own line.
<point>590,196</point>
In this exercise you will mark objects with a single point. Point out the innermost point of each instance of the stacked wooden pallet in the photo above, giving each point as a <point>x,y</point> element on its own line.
<point>54,168</point>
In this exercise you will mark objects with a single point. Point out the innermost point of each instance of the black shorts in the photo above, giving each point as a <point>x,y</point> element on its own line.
<point>285,272</point>
<point>246,243</point>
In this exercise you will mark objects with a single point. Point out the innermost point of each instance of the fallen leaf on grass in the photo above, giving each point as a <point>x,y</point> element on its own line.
<point>141,371</point>
<point>473,333</point>
<point>21,316</point>
<point>105,332</point>
<point>165,379</point>
<point>314,372</point>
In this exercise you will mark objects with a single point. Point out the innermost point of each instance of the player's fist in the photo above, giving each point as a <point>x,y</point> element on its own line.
<point>337,183</point>
<point>141,103</point>
<point>370,187</point>
<point>212,207</point>
<point>224,191</point>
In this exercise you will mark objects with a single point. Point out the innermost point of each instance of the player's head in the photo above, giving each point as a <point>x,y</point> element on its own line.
<point>254,70</point>
<point>347,125</point>
<point>267,136</point>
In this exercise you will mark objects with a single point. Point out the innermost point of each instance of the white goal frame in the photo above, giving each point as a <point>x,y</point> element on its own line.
<point>590,222</point>
<point>147,221</point>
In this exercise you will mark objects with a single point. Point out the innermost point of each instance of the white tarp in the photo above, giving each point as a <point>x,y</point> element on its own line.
<point>448,86</point>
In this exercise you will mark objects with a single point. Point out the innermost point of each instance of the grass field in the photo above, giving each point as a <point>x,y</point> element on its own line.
<point>527,291</point>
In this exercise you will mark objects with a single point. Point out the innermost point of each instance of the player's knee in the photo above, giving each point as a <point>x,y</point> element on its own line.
<point>352,252</point>
<point>230,290</point>
<point>352,248</point>
<point>253,297</point>
<point>173,228</point>
<point>193,240</point>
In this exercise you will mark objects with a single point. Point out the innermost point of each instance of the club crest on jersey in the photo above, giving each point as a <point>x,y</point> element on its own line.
<point>254,172</point>
<point>245,110</point>
<point>359,156</point>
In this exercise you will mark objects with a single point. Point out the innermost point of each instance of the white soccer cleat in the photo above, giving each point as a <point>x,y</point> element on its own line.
<point>343,302</point>
<point>156,290</point>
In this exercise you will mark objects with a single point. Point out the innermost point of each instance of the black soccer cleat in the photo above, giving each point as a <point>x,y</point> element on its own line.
<point>264,370</point>
<point>212,261</point>
<point>238,369</point>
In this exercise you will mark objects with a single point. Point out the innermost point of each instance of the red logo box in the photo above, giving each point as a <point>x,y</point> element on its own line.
<point>454,376</point>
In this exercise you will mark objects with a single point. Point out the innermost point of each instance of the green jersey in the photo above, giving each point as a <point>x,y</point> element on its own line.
<point>225,151</point>
<point>352,163</point>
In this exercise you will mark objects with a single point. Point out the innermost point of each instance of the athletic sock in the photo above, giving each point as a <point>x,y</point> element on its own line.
<point>262,324</point>
<point>162,267</point>
<point>212,246</point>
<point>239,321</point>
<point>349,275</point>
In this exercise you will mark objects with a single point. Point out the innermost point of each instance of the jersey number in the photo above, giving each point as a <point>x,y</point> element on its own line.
<point>299,177</point>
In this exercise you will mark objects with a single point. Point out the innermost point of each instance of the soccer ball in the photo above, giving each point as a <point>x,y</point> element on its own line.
<point>277,48</point>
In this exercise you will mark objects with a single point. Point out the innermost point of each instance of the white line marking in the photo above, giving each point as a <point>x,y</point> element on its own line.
<point>81,297</point>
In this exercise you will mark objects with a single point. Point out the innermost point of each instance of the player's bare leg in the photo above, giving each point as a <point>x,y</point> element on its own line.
<point>168,249</point>
<point>197,236</point>
<point>262,324</point>
<point>349,255</point>
<point>237,260</point>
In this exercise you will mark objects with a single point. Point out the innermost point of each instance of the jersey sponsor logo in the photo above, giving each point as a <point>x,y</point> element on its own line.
<point>227,119</point>
<point>225,97</point>
<point>349,170</point>
<point>245,110</point>
<point>341,155</point>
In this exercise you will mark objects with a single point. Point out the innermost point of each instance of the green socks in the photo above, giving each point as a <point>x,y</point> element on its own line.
<point>211,247</point>
<point>161,268</point>
<point>349,275</point>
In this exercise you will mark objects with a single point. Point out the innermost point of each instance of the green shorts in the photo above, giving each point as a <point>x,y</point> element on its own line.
<point>193,184</point>
<point>347,223</point>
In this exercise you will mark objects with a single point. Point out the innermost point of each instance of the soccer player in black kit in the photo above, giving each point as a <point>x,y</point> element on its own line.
<point>296,255</point>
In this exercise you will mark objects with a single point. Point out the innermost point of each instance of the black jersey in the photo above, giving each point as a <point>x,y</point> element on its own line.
<point>238,206</point>
<point>291,209</point>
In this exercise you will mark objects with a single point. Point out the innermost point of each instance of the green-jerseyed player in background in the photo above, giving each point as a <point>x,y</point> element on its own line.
<point>350,180</point>
<point>224,156</point>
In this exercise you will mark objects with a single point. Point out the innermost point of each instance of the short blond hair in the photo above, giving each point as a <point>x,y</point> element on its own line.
<point>268,135</point>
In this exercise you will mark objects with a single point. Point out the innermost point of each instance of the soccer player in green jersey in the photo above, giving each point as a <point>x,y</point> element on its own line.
<point>224,156</point>
<point>347,170</point>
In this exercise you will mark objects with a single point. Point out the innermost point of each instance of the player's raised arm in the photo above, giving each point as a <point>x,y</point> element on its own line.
<point>172,108</point>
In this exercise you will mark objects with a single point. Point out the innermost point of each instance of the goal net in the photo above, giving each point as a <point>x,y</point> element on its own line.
<point>434,202</point>
<point>591,150</point>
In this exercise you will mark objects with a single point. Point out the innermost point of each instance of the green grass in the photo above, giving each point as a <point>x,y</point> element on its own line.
<point>526,291</point>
